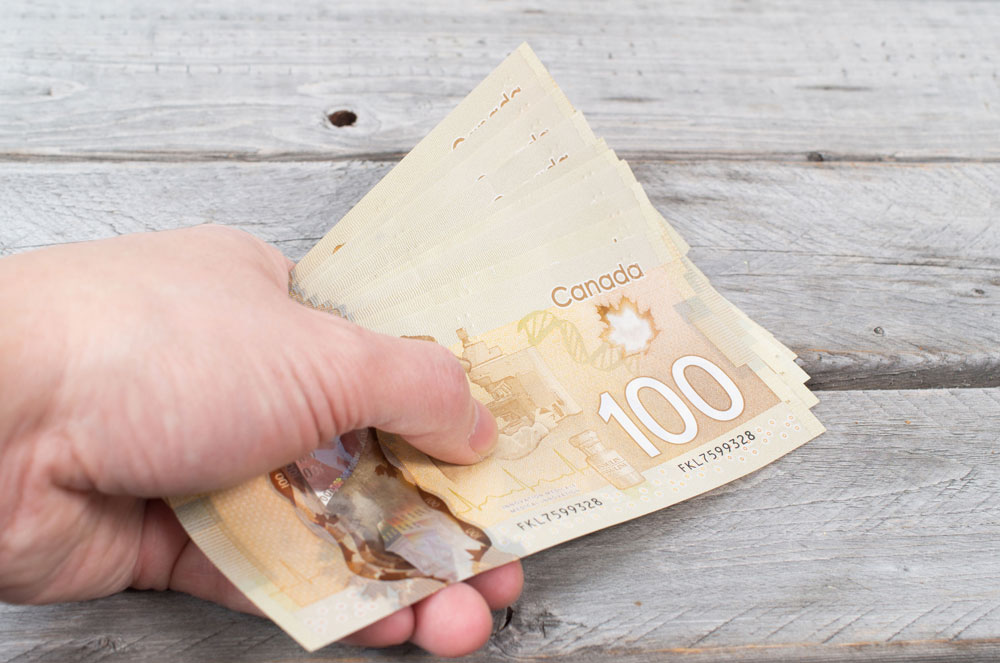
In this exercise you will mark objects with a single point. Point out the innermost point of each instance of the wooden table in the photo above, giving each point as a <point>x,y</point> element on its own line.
<point>836,171</point>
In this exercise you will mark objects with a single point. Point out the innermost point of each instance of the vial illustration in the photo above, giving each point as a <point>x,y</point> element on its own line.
<point>606,462</point>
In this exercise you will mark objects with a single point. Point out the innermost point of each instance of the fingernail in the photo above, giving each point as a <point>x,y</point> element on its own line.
<point>484,431</point>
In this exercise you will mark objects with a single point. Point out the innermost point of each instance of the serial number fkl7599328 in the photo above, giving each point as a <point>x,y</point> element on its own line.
<point>718,452</point>
<point>554,515</point>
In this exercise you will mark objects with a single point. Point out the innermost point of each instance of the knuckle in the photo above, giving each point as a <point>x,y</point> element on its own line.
<point>349,363</point>
<point>450,387</point>
<point>368,352</point>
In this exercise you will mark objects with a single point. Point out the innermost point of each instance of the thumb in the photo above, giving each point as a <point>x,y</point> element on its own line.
<point>413,388</point>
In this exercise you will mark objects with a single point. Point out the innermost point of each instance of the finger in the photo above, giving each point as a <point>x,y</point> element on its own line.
<point>414,388</point>
<point>194,574</point>
<point>160,544</point>
<point>392,630</point>
<point>168,559</point>
<point>501,586</point>
<point>453,622</point>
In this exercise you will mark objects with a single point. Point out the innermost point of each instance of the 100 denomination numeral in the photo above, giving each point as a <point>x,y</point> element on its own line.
<point>609,407</point>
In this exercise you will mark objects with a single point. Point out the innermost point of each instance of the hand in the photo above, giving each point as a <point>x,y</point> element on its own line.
<point>126,367</point>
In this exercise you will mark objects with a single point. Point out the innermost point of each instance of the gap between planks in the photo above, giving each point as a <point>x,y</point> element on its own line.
<point>665,157</point>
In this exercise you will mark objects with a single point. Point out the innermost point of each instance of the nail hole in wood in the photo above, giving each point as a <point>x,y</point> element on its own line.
<point>342,118</point>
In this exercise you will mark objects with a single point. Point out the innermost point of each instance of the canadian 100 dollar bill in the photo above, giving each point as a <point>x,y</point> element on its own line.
<point>608,409</point>
<point>620,381</point>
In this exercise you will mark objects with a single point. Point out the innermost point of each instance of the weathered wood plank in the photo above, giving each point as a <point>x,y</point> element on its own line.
<point>876,541</point>
<point>893,80</point>
<point>878,275</point>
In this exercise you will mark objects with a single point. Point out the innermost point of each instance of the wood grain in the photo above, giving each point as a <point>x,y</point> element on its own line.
<point>878,275</point>
<point>877,540</point>
<point>894,80</point>
<point>835,168</point>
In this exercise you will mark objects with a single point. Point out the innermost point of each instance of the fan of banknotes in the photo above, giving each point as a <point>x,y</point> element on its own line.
<point>621,381</point>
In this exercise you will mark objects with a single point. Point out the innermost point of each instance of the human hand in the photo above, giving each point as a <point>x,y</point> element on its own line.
<point>173,363</point>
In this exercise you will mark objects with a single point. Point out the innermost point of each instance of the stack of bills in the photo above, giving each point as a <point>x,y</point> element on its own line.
<point>621,381</point>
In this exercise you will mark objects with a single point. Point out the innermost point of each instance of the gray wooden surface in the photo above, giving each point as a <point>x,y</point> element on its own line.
<point>837,172</point>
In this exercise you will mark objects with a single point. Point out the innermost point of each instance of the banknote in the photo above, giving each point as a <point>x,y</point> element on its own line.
<point>608,408</point>
<point>518,84</point>
<point>622,382</point>
<point>486,177</point>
